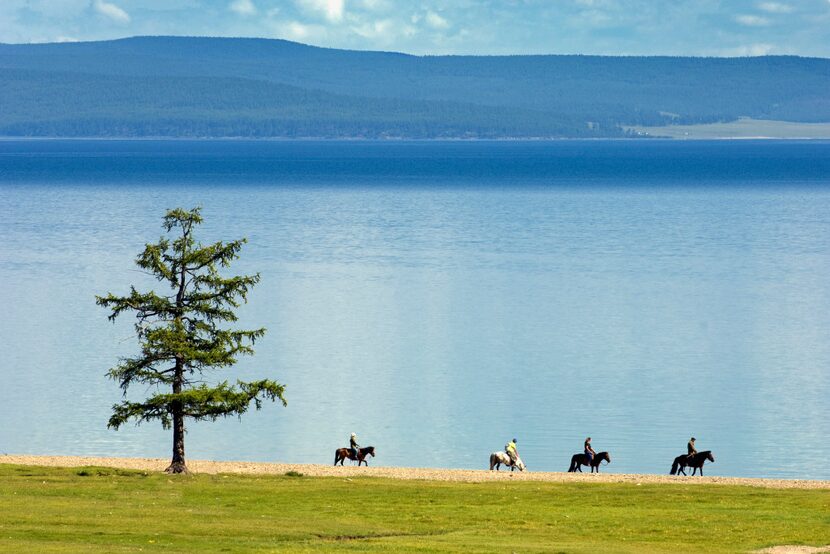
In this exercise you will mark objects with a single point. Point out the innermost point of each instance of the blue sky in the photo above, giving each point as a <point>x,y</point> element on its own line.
<point>622,27</point>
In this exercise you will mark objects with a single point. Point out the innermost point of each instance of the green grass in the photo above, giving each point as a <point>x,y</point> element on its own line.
<point>742,128</point>
<point>107,510</point>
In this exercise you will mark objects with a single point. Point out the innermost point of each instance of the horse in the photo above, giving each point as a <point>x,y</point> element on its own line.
<point>696,462</point>
<point>497,459</point>
<point>578,460</point>
<point>341,454</point>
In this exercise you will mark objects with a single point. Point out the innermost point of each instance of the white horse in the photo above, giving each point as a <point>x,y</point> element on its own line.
<point>499,458</point>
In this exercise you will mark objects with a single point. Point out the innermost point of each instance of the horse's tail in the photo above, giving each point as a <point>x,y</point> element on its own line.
<point>573,465</point>
<point>674,467</point>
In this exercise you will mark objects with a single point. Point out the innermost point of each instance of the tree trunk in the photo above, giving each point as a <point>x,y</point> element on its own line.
<point>177,465</point>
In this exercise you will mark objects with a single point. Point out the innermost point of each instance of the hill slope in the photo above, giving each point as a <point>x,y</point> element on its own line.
<point>179,86</point>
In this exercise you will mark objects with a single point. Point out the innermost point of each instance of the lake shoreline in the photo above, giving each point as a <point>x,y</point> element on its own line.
<point>392,140</point>
<point>405,473</point>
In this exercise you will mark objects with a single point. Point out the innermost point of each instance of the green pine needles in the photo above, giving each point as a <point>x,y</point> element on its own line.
<point>181,336</point>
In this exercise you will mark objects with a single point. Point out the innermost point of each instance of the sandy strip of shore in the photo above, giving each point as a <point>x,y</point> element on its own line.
<point>432,474</point>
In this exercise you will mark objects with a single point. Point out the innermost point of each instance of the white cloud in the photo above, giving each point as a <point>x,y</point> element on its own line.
<point>297,30</point>
<point>759,49</point>
<point>243,7</point>
<point>111,11</point>
<point>375,29</point>
<point>377,5</point>
<point>775,7</point>
<point>436,21</point>
<point>752,20</point>
<point>594,18</point>
<point>332,10</point>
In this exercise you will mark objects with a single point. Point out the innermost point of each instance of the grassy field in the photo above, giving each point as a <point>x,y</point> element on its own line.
<point>108,510</point>
<point>742,128</point>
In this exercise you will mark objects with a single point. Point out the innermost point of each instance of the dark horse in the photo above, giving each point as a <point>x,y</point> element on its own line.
<point>341,454</point>
<point>695,462</point>
<point>578,460</point>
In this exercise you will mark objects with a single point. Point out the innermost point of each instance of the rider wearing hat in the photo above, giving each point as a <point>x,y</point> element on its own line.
<point>353,446</point>
<point>510,449</point>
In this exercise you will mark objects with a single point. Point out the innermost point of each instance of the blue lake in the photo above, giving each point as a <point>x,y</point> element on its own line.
<point>440,298</point>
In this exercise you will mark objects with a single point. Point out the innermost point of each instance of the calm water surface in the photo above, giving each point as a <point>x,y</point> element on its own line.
<point>441,298</point>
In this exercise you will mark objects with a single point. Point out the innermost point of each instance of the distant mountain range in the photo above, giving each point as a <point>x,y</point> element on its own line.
<point>234,87</point>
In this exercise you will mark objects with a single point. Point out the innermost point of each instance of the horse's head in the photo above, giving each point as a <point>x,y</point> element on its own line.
<point>604,456</point>
<point>709,456</point>
<point>520,464</point>
<point>371,450</point>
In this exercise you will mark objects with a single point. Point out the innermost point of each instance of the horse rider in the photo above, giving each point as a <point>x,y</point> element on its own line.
<point>589,451</point>
<point>512,453</point>
<point>691,448</point>
<point>353,446</point>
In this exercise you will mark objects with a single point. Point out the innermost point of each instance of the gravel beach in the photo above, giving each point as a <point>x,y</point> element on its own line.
<point>431,474</point>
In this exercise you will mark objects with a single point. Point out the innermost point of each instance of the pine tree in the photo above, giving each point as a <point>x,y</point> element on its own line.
<point>181,337</point>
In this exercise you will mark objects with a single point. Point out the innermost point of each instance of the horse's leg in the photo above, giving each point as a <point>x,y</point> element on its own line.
<point>701,470</point>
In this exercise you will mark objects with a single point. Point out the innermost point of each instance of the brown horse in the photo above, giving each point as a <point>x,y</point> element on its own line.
<point>578,460</point>
<point>341,454</point>
<point>695,462</point>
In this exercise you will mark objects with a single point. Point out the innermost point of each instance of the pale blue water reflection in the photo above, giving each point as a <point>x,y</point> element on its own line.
<point>439,314</point>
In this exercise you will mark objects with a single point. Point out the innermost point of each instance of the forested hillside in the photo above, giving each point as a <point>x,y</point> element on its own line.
<point>216,87</point>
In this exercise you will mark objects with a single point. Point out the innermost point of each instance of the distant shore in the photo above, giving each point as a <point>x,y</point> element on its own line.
<point>659,134</point>
<point>742,129</point>
<point>428,474</point>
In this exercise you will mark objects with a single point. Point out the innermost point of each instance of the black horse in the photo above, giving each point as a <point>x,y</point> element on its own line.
<point>695,462</point>
<point>578,460</point>
<point>341,454</point>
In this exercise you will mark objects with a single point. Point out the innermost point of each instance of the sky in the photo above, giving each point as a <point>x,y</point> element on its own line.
<point>612,27</point>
